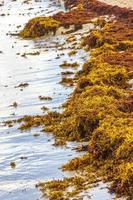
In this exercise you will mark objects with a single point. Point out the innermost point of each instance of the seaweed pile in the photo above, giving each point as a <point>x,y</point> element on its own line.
<point>81,12</point>
<point>39,26</point>
<point>100,110</point>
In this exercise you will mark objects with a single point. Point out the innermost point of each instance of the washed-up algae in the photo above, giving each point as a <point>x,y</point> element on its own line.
<point>100,110</point>
<point>39,26</point>
<point>83,12</point>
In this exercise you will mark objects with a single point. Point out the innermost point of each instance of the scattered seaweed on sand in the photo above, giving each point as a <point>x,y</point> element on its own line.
<point>13,165</point>
<point>35,53</point>
<point>22,85</point>
<point>46,98</point>
<point>66,188</point>
<point>72,53</point>
<point>65,64</point>
<point>67,81</point>
<point>67,73</point>
<point>44,108</point>
<point>15,104</point>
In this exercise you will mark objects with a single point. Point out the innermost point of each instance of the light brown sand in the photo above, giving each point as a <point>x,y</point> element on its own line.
<point>121,3</point>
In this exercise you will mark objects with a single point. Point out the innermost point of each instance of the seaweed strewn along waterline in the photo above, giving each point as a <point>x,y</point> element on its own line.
<point>100,109</point>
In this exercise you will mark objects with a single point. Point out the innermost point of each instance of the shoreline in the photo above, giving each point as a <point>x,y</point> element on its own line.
<point>23,80</point>
<point>100,110</point>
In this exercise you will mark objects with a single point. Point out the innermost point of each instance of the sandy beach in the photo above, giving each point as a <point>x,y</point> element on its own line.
<point>121,3</point>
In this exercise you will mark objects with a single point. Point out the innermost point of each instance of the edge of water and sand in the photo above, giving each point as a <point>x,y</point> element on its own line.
<point>103,98</point>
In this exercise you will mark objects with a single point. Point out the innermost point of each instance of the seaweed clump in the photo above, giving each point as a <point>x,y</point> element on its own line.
<point>39,26</point>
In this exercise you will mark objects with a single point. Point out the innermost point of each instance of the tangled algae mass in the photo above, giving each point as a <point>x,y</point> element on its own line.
<point>100,110</point>
<point>39,26</point>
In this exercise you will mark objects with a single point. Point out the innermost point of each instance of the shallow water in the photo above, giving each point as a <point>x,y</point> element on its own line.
<point>42,73</point>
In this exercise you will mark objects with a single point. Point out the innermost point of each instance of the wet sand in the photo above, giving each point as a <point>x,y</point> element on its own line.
<point>121,3</point>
